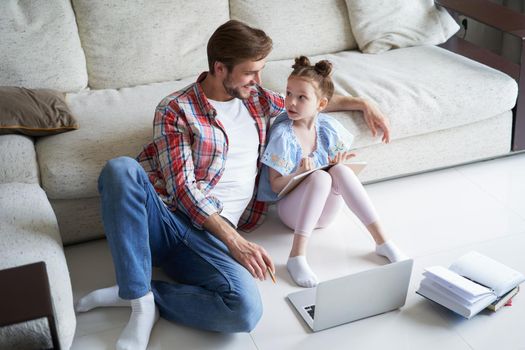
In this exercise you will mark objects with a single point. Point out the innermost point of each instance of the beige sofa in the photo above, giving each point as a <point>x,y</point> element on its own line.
<point>118,59</point>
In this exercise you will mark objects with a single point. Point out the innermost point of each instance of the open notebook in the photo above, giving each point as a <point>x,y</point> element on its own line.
<point>357,167</point>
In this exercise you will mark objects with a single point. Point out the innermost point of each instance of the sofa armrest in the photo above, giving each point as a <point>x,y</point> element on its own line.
<point>508,21</point>
<point>18,162</point>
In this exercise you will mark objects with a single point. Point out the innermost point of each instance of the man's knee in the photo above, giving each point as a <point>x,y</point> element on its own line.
<point>116,169</point>
<point>117,166</point>
<point>244,302</point>
<point>247,311</point>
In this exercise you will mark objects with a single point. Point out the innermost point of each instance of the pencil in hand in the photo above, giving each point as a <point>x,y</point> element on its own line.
<point>271,274</point>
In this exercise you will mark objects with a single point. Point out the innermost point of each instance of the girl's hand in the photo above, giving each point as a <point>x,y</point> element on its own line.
<point>305,165</point>
<point>375,119</point>
<point>341,157</point>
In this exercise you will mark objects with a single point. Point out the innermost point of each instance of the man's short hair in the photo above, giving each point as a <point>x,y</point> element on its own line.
<point>235,42</point>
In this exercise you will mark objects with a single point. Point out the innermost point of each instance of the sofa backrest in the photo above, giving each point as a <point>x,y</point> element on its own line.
<point>298,27</point>
<point>130,43</point>
<point>69,44</point>
<point>40,46</point>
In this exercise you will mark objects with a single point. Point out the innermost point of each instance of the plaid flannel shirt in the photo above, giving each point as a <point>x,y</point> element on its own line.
<point>187,156</point>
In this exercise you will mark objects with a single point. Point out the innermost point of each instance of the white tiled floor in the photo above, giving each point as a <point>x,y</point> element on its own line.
<point>435,217</point>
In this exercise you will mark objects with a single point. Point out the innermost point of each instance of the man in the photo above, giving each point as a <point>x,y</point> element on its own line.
<point>178,206</point>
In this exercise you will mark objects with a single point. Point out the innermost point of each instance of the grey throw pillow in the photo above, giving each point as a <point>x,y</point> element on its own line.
<point>34,112</point>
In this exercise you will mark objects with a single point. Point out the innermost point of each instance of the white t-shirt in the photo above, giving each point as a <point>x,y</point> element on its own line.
<point>236,186</point>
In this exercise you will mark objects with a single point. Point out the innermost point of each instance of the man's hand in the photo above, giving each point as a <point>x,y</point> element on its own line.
<point>375,119</point>
<point>252,256</point>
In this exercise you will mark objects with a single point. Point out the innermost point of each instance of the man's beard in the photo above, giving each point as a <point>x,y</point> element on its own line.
<point>234,92</point>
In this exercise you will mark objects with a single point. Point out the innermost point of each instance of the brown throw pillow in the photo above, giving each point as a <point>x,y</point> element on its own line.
<point>34,112</point>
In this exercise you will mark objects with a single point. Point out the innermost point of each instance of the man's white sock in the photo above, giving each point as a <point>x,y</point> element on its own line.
<point>144,314</point>
<point>301,272</point>
<point>391,251</point>
<point>100,298</point>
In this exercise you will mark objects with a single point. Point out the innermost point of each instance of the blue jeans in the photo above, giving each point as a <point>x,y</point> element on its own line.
<point>212,291</point>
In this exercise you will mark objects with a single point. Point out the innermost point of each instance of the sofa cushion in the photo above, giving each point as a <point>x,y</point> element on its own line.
<point>34,112</point>
<point>18,159</point>
<point>379,26</point>
<point>418,99</point>
<point>29,233</point>
<point>481,140</point>
<point>40,46</point>
<point>317,27</point>
<point>484,139</point>
<point>114,123</point>
<point>140,42</point>
<point>421,89</point>
<point>32,334</point>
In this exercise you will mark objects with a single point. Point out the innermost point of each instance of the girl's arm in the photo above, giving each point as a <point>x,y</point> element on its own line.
<point>374,118</point>
<point>278,181</point>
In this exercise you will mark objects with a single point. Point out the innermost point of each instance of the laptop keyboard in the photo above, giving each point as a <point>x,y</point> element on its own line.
<point>311,310</point>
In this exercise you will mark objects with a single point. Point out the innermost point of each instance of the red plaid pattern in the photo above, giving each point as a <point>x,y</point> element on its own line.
<point>186,158</point>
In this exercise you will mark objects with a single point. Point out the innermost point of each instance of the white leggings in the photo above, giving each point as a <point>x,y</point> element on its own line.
<point>315,202</point>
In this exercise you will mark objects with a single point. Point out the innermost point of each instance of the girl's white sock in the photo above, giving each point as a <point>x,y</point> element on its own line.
<point>391,252</point>
<point>144,314</point>
<point>301,272</point>
<point>100,298</point>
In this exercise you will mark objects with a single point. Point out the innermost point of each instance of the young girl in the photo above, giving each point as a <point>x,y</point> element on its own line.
<point>302,139</point>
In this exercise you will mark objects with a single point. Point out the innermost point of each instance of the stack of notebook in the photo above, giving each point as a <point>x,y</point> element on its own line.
<point>472,283</point>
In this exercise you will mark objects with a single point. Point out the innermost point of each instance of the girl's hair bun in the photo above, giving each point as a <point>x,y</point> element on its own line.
<point>320,73</point>
<point>300,62</point>
<point>324,68</point>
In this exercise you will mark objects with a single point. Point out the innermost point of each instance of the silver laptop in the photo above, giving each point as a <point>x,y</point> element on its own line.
<point>354,297</point>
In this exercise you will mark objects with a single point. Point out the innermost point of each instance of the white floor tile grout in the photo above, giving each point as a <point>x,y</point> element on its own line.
<point>253,340</point>
<point>484,190</point>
